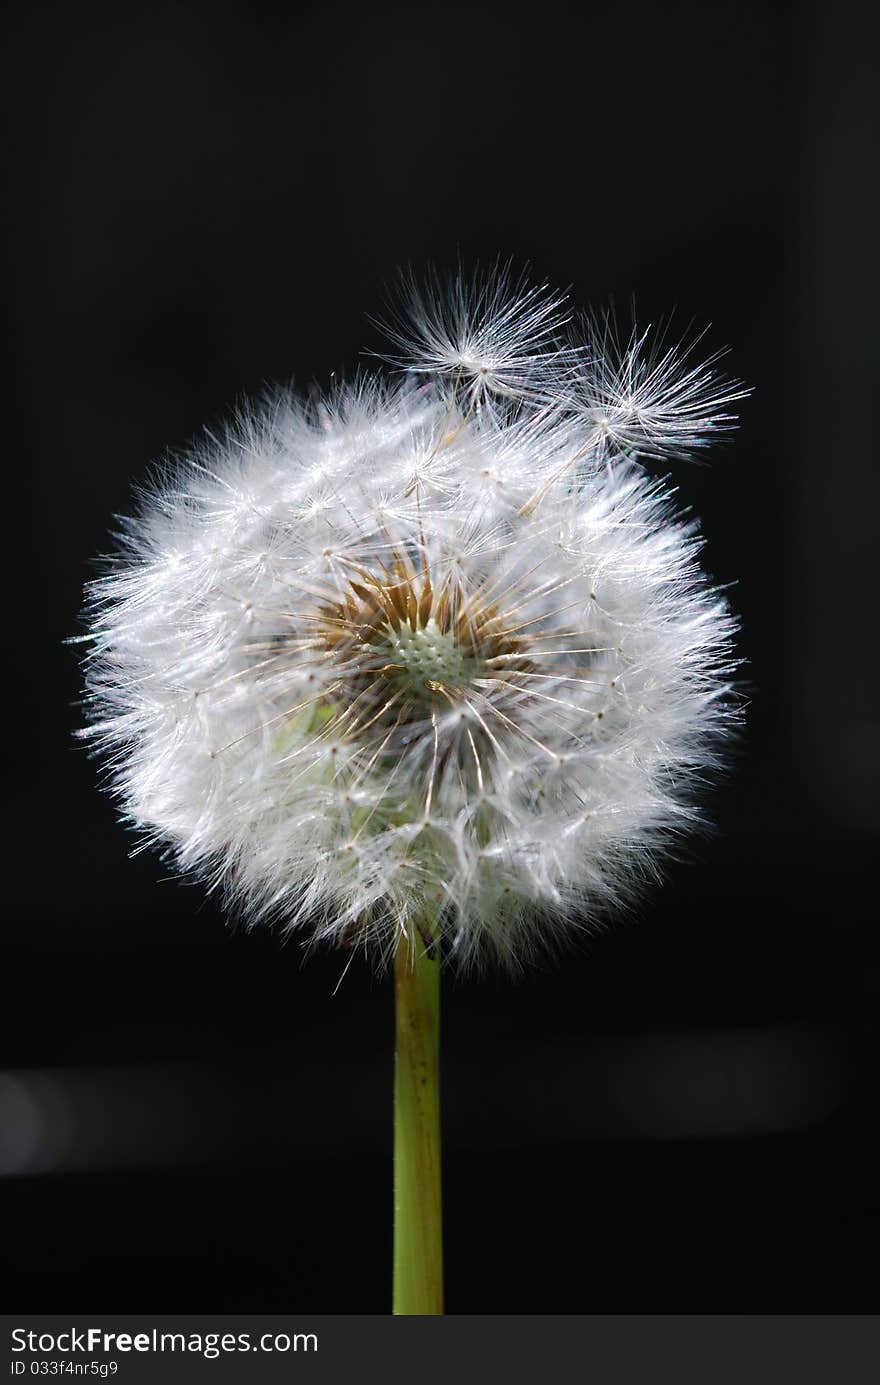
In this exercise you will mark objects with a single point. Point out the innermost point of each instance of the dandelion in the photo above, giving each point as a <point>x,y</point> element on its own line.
<point>424,669</point>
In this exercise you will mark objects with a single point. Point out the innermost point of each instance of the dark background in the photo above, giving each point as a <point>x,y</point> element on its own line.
<point>683,1116</point>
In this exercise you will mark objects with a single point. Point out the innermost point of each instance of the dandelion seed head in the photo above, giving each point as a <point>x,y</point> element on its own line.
<point>398,654</point>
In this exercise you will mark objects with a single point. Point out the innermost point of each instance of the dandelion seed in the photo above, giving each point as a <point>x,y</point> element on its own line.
<point>494,339</point>
<point>647,396</point>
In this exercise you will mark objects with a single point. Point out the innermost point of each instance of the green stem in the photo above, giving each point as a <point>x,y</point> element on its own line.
<point>418,1226</point>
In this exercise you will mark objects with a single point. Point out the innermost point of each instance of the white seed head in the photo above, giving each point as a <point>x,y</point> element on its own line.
<point>398,661</point>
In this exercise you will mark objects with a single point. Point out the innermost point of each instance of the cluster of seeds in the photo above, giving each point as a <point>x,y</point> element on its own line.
<point>432,655</point>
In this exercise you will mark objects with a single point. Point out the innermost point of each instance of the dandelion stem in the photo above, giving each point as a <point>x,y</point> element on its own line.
<point>418,1228</point>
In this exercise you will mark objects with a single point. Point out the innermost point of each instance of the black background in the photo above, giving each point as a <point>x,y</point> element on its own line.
<point>681,1117</point>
